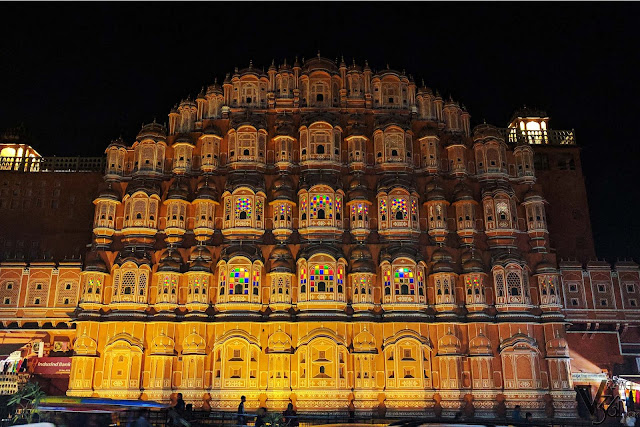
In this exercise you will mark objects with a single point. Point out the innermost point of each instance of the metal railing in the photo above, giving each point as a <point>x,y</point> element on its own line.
<point>534,137</point>
<point>52,164</point>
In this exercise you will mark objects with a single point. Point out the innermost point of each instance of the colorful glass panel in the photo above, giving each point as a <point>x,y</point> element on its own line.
<point>321,202</point>
<point>398,204</point>
<point>243,204</point>
<point>239,276</point>
<point>404,276</point>
<point>321,273</point>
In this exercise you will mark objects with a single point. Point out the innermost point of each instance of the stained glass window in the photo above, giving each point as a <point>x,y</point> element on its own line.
<point>420,282</point>
<point>223,280</point>
<point>340,280</point>
<point>321,207</point>
<point>414,210</point>
<point>303,207</point>
<point>387,282</point>
<point>338,207</point>
<point>321,274</point>
<point>256,281</point>
<point>399,208</point>
<point>258,209</point>
<point>383,209</point>
<point>243,208</point>
<point>238,281</point>
<point>404,281</point>
<point>303,279</point>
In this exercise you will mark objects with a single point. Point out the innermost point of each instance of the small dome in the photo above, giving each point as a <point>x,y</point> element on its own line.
<point>449,344</point>
<point>427,131</point>
<point>361,260</point>
<point>545,267</point>
<point>95,263</point>
<point>358,189</point>
<point>311,179</point>
<point>117,143</point>
<point>200,260</point>
<point>178,190</point>
<point>442,261</point>
<point>281,260</point>
<point>206,190</point>
<point>282,188</point>
<point>253,180</point>
<point>485,131</point>
<point>153,130</point>
<point>396,181</point>
<point>109,193</point>
<point>480,345</point>
<point>170,262</point>
<point>435,191</point>
<point>533,194</point>
<point>471,262</point>
<point>213,130</point>
<point>320,63</point>
<point>133,254</point>
<point>462,192</point>
<point>147,186</point>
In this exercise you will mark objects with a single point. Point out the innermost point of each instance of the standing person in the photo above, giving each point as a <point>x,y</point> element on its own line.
<point>180,405</point>
<point>517,414</point>
<point>290,416</point>
<point>242,415</point>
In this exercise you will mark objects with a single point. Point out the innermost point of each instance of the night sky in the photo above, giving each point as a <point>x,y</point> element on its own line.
<point>80,75</point>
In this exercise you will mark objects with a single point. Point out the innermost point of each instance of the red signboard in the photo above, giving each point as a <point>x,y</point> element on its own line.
<point>52,366</point>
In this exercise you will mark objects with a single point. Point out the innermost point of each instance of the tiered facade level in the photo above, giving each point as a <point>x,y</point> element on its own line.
<point>327,235</point>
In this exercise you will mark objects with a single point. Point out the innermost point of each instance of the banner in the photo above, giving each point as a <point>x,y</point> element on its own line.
<point>52,366</point>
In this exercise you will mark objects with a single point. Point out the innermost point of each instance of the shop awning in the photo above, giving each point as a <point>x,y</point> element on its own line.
<point>7,349</point>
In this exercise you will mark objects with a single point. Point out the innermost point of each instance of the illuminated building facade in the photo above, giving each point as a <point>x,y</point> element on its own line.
<point>327,235</point>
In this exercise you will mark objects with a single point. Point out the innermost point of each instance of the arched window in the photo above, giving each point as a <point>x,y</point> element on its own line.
<point>319,94</point>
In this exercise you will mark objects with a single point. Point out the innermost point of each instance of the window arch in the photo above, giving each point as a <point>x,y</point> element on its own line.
<point>243,210</point>
<point>321,209</point>
<point>393,145</point>
<point>398,212</point>
<point>512,285</point>
<point>131,283</point>
<point>320,142</point>
<point>403,282</point>
<point>322,278</point>
<point>247,145</point>
<point>239,280</point>
<point>319,94</point>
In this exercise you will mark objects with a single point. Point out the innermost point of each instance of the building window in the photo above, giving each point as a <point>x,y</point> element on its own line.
<point>36,301</point>
<point>604,302</point>
<point>67,286</point>
<point>9,286</point>
<point>633,303</point>
<point>573,287</point>
<point>631,288</point>
<point>574,302</point>
<point>602,288</point>
<point>7,301</point>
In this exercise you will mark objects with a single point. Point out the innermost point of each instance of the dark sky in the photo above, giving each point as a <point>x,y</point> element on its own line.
<point>79,75</point>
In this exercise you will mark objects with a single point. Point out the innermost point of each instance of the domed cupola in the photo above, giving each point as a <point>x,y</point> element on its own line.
<point>398,212</point>
<point>361,260</point>
<point>436,205</point>
<point>321,206</point>
<point>176,205</point>
<point>465,211</point>
<point>244,206</point>
<point>283,205</point>
<point>444,280</point>
<point>358,208</point>
<point>170,262</point>
<point>475,280</point>
<point>105,213</point>
<point>135,255</point>
<point>205,203</point>
<point>281,277</point>
<point>442,261</point>
<point>95,263</point>
<point>200,260</point>
<point>154,131</point>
